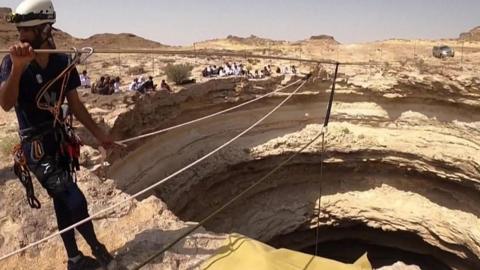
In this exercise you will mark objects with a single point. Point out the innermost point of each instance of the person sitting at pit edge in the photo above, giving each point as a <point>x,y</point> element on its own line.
<point>100,84</point>
<point>85,80</point>
<point>104,89</point>
<point>149,85</point>
<point>165,86</point>
<point>134,85</point>
<point>116,85</point>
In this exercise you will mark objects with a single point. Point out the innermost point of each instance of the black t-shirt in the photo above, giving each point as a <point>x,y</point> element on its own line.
<point>31,81</point>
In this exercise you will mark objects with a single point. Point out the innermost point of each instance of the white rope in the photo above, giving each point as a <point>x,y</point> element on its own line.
<point>205,117</point>
<point>157,183</point>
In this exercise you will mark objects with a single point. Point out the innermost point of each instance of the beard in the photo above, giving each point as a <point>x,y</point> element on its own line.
<point>36,43</point>
<point>42,34</point>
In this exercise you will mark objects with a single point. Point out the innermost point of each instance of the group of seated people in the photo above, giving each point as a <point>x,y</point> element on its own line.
<point>106,86</point>
<point>267,72</point>
<point>222,71</point>
<point>235,69</point>
<point>143,86</point>
<point>286,70</point>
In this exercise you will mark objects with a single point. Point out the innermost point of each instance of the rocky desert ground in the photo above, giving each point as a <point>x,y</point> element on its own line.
<point>400,176</point>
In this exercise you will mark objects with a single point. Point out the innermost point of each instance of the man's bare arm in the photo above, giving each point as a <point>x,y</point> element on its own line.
<point>82,115</point>
<point>9,90</point>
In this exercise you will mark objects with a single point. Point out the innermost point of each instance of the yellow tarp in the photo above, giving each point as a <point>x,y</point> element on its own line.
<point>242,253</point>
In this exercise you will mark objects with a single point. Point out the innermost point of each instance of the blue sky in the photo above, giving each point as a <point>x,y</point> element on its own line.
<point>183,22</point>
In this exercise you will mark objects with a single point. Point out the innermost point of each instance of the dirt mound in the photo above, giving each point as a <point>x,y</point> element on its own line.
<point>472,35</point>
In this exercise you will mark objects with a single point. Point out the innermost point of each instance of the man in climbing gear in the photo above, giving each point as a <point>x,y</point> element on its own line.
<point>37,85</point>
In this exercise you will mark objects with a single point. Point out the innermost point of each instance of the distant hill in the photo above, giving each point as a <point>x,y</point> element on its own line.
<point>324,38</point>
<point>254,40</point>
<point>472,35</point>
<point>8,36</point>
<point>123,40</point>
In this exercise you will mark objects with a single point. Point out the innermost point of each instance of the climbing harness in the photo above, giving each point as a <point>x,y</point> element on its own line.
<point>62,128</point>
<point>23,173</point>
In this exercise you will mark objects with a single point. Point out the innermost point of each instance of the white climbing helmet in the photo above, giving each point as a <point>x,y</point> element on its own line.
<point>33,13</point>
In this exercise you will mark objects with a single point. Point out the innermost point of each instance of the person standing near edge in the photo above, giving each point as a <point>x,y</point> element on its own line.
<point>44,135</point>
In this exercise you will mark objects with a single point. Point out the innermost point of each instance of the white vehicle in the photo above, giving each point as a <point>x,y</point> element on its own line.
<point>443,51</point>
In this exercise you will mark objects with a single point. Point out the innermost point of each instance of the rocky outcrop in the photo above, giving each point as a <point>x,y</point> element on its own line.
<point>326,38</point>
<point>472,35</point>
<point>253,40</point>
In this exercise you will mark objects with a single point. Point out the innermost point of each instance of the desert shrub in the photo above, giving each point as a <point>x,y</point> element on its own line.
<point>136,70</point>
<point>421,65</point>
<point>178,73</point>
<point>386,67</point>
